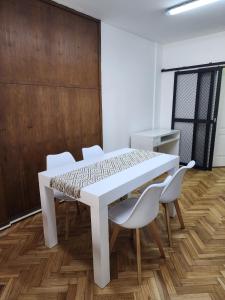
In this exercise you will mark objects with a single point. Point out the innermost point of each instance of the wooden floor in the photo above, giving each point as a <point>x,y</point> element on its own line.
<point>194,268</point>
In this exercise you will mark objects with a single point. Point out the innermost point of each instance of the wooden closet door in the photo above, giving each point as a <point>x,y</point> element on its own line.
<point>49,94</point>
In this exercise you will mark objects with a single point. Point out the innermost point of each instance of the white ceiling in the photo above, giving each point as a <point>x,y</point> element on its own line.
<point>147,18</point>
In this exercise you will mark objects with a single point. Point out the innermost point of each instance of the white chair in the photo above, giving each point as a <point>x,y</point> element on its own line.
<point>135,213</point>
<point>54,161</point>
<point>171,193</point>
<point>92,152</point>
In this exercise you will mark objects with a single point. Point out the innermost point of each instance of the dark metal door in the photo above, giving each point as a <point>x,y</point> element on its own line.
<point>195,109</point>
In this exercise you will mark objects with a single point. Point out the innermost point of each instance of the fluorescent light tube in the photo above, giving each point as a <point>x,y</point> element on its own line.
<point>186,6</point>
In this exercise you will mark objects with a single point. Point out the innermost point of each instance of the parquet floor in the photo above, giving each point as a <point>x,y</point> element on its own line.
<point>194,268</point>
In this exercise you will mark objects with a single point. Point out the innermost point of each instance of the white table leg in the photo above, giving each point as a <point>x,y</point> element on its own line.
<point>172,210</point>
<point>100,244</point>
<point>48,213</point>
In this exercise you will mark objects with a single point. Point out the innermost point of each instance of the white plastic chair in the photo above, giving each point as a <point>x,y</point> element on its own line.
<point>92,152</point>
<point>54,161</point>
<point>171,193</point>
<point>57,160</point>
<point>135,213</point>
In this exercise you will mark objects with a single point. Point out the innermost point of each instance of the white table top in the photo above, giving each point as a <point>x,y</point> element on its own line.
<point>103,189</point>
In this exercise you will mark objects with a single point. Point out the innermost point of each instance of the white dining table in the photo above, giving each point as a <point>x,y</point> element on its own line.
<point>98,196</point>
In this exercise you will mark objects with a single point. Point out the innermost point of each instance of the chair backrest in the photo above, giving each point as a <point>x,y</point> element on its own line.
<point>147,207</point>
<point>57,160</point>
<point>92,152</point>
<point>173,190</point>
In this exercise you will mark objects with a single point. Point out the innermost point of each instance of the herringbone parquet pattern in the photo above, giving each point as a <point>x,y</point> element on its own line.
<point>194,268</point>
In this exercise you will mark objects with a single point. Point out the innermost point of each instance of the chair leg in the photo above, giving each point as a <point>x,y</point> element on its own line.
<point>177,206</point>
<point>168,224</point>
<point>115,233</point>
<point>133,239</point>
<point>67,222</point>
<point>78,207</point>
<point>131,235</point>
<point>138,247</point>
<point>154,231</point>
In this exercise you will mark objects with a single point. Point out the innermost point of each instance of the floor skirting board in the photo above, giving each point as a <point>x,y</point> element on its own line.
<point>19,219</point>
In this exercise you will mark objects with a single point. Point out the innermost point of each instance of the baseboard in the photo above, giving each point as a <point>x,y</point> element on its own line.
<point>20,219</point>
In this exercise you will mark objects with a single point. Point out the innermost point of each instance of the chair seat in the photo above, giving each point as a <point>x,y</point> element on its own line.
<point>60,196</point>
<point>120,212</point>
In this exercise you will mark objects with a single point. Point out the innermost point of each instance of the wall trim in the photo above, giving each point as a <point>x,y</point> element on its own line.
<point>20,219</point>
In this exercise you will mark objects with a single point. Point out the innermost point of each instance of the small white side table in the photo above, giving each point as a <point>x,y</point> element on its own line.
<point>161,140</point>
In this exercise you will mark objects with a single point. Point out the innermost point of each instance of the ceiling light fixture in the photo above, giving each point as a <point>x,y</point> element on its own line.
<point>188,5</point>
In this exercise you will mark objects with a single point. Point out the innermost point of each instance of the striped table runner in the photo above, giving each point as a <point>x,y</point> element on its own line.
<point>71,183</point>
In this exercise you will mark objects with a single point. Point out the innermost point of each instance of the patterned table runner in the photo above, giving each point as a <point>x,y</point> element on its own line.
<point>71,183</point>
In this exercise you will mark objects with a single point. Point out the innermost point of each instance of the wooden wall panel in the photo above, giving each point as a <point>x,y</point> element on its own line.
<point>49,94</point>
<point>41,43</point>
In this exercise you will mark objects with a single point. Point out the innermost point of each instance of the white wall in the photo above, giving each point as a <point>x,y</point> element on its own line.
<point>189,52</point>
<point>129,66</point>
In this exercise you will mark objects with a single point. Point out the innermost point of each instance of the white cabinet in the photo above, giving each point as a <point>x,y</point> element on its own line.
<point>161,140</point>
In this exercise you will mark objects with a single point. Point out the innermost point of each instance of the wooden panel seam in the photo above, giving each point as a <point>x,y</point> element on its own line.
<point>50,85</point>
